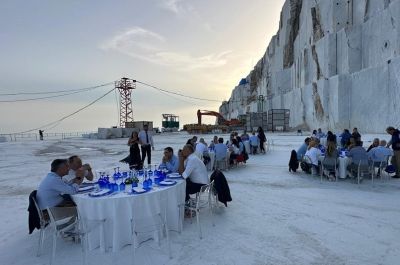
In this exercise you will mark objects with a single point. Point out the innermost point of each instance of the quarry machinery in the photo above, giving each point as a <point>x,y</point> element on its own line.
<point>220,119</point>
<point>222,126</point>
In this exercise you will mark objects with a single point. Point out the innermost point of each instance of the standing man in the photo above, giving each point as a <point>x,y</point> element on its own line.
<point>41,134</point>
<point>395,141</point>
<point>146,143</point>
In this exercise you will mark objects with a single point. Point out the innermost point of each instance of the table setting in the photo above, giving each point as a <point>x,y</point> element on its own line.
<point>117,196</point>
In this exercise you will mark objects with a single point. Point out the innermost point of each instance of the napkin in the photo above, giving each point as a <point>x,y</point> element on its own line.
<point>138,190</point>
<point>100,192</point>
<point>85,188</point>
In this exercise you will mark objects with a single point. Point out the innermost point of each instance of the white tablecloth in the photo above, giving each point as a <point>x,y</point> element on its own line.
<point>118,211</point>
<point>343,162</point>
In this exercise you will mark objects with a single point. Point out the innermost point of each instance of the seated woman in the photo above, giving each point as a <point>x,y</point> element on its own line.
<point>235,151</point>
<point>313,154</point>
<point>330,161</point>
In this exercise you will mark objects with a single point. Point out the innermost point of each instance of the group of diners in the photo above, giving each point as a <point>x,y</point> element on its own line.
<point>312,154</point>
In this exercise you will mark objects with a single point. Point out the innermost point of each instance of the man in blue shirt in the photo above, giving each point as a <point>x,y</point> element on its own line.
<point>303,149</point>
<point>52,187</point>
<point>220,150</point>
<point>169,160</point>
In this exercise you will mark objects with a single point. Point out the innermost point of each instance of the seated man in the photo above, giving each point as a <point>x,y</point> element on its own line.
<point>193,170</point>
<point>77,170</point>
<point>169,160</point>
<point>202,150</point>
<point>303,149</point>
<point>375,143</point>
<point>254,143</point>
<point>52,187</point>
<point>380,154</point>
<point>358,156</point>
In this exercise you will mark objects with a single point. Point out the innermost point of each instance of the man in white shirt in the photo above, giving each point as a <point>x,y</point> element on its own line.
<point>77,170</point>
<point>193,170</point>
<point>51,189</point>
<point>146,143</point>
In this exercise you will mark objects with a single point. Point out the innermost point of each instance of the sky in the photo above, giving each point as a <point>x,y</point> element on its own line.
<point>196,48</point>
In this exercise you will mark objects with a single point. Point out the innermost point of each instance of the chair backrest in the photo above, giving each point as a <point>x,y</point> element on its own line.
<point>43,220</point>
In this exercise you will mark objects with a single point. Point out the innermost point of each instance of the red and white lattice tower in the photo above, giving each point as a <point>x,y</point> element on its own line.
<point>125,86</point>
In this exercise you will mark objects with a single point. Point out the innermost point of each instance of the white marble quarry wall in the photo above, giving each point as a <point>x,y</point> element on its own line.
<point>329,60</point>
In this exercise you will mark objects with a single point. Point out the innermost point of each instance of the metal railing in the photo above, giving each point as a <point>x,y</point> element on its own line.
<point>46,136</point>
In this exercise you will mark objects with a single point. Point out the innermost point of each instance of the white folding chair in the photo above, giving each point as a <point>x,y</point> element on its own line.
<point>202,200</point>
<point>60,224</point>
<point>43,224</point>
<point>362,170</point>
<point>151,219</point>
<point>329,168</point>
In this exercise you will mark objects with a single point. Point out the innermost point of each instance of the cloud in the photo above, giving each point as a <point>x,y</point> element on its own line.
<point>174,6</point>
<point>149,46</point>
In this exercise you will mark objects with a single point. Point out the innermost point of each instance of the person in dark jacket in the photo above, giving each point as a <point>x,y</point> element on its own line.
<point>33,218</point>
<point>221,186</point>
<point>293,162</point>
<point>356,135</point>
<point>395,141</point>
<point>345,137</point>
<point>262,139</point>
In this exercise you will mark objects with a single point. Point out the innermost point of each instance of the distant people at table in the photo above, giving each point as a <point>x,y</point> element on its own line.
<point>77,170</point>
<point>261,136</point>
<point>169,160</point>
<point>303,148</point>
<point>375,143</point>
<point>134,158</point>
<point>235,151</point>
<point>242,149</point>
<point>330,160</point>
<point>313,154</point>
<point>330,137</point>
<point>213,142</point>
<point>193,170</point>
<point>351,143</point>
<point>293,161</point>
<point>254,143</point>
<point>380,153</point>
<point>201,150</point>
<point>245,136</point>
<point>345,137</point>
<point>41,135</point>
<point>220,150</point>
<point>192,141</point>
<point>356,134</point>
<point>146,143</point>
<point>320,133</point>
<point>395,143</point>
<point>314,134</point>
<point>52,189</point>
<point>358,157</point>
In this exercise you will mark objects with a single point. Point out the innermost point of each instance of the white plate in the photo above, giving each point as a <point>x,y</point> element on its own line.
<point>174,176</point>
<point>167,183</point>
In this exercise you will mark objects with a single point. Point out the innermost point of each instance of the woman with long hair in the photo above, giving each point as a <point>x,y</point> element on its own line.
<point>330,160</point>
<point>134,159</point>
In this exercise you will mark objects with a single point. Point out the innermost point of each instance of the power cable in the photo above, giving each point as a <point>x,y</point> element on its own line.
<point>55,92</point>
<point>65,94</point>
<point>67,116</point>
<point>175,93</point>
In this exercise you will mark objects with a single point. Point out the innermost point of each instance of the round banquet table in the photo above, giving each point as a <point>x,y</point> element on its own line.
<point>119,209</point>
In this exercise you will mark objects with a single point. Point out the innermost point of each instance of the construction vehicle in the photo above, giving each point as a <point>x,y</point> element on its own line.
<point>222,125</point>
<point>220,119</point>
